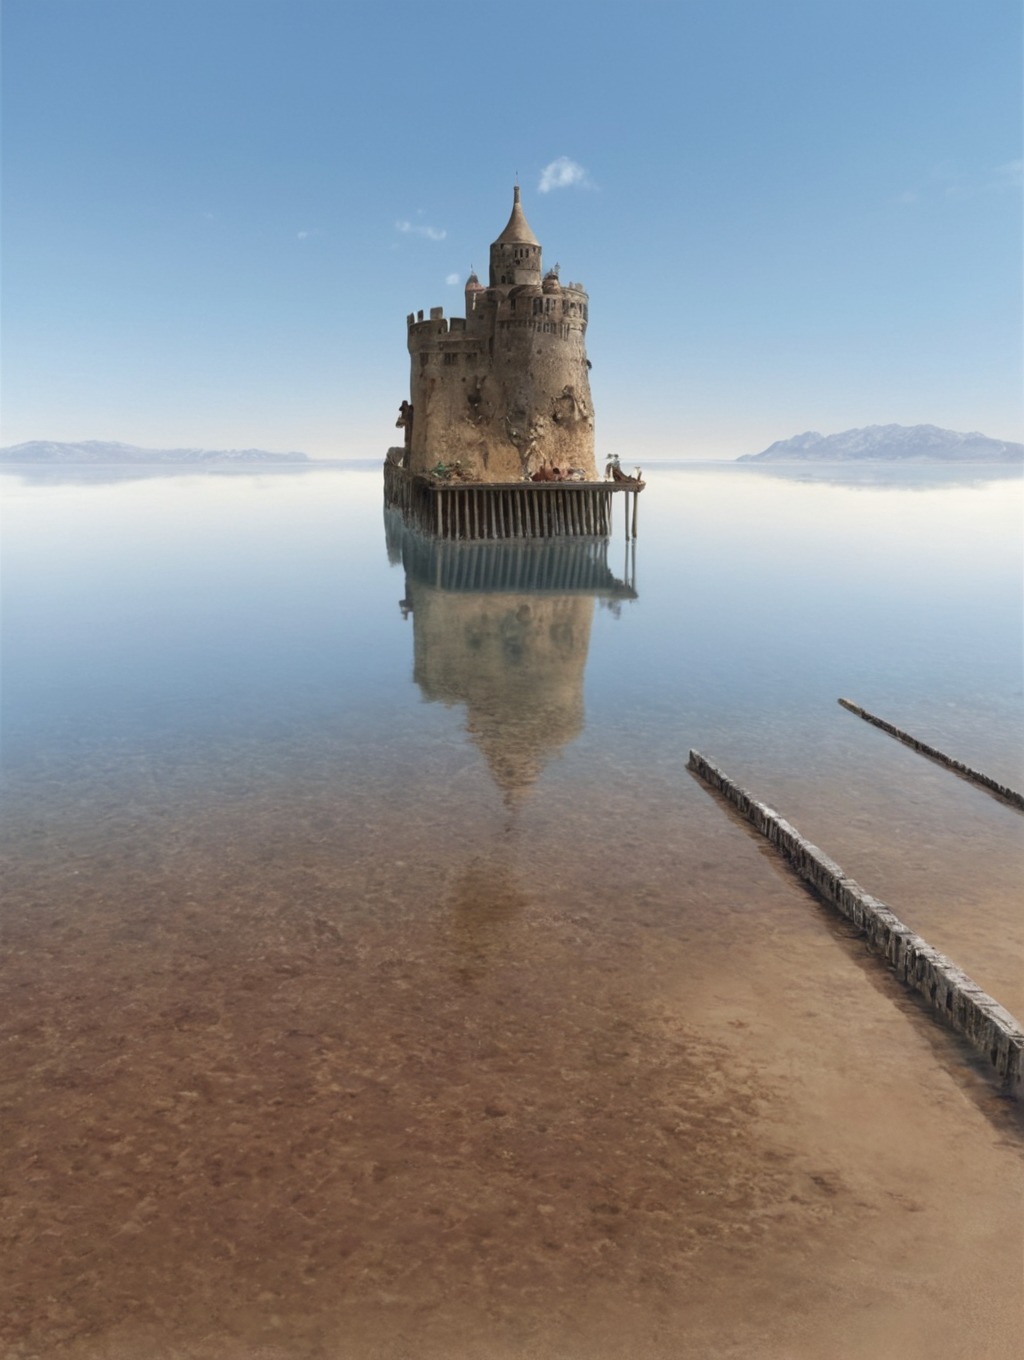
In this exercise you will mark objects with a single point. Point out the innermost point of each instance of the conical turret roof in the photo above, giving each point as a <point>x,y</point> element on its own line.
<point>518,229</point>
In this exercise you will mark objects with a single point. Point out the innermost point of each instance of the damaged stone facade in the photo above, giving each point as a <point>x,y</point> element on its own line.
<point>504,390</point>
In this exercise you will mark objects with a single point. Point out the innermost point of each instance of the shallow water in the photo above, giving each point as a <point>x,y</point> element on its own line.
<point>382,984</point>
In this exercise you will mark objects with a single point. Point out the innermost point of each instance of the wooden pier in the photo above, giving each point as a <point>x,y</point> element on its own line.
<point>475,511</point>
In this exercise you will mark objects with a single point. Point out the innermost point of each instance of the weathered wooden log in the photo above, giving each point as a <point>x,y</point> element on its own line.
<point>955,1000</point>
<point>1008,795</point>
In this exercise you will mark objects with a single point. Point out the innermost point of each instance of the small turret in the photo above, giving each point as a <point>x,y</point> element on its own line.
<point>473,290</point>
<point>515,255</point>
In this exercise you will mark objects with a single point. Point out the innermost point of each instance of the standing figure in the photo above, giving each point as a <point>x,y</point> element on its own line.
<point>404,421</point>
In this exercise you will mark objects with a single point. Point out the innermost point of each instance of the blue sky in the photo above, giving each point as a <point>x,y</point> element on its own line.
<point>789,214</point>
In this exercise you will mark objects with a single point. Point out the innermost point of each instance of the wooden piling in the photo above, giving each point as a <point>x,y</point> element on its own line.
<point>506,510</point>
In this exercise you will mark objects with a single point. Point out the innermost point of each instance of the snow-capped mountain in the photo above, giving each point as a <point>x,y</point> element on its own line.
<point>890,443</point>
<point>102,451</point>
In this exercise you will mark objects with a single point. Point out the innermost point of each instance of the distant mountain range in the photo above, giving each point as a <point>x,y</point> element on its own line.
<point>889,444</point>
<point>43,452</point>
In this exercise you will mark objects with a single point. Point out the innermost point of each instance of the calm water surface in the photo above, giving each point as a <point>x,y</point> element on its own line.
<point>381,982</point>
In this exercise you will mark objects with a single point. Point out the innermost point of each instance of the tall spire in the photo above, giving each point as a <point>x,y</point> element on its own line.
<point>518,229</point>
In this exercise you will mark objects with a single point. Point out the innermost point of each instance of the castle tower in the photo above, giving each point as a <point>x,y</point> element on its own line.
<point>505,389</point>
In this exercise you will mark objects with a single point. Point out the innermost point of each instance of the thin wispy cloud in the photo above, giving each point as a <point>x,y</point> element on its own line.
<point>453,280</point>
<point>951,183</point>
<point>563,173</point>
<point>306,233</point>
<point>421,229</point>
<point>1009,175</point>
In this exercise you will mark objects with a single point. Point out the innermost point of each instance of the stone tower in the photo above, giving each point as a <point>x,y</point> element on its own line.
<point>504,390</point>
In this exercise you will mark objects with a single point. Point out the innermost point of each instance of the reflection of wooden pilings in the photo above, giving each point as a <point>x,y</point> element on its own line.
<point>473,511</point>
<point>629,569</point>
<point>1000,790</point>
<point>565,566</point>
<point>955,999</point>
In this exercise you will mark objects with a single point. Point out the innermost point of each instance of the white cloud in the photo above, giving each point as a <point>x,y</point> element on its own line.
<point>1008,175</point>
<point>306,233</point>
<point>994,181</point>
<point>453,280</point>
<point>951,182</point>
<point>418,229</point>
<point>561,173</point>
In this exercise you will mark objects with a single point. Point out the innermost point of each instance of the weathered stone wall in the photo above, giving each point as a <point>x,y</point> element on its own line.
<point>505,402</point>
<point>955,999</point>
<point>515,262</point>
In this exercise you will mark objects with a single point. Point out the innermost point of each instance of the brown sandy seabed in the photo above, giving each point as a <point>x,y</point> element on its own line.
<point>296,1074</point>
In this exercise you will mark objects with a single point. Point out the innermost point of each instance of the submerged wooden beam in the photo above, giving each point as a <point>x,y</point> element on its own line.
<point>955,1000</point>
<point>1008,795</point>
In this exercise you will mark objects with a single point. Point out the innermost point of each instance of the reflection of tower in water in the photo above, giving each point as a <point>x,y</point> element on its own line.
<point>516,662</point>
<point>504,628</point>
